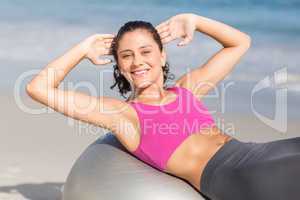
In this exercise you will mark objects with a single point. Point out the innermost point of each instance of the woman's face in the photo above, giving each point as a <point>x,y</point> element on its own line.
<point>139,59</point>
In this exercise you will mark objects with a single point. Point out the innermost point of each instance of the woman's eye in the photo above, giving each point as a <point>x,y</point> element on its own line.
<point>125,56</point>
<point>146,52</point>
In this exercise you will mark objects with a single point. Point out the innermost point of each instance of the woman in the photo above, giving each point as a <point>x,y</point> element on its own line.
<point>169,128</point>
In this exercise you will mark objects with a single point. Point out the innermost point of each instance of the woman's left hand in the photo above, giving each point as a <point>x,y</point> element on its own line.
<point>178,26</point>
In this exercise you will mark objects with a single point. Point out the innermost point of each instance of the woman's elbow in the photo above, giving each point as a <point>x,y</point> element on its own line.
<point>33,91</point>
<point>29,89</point>
<point>247,41</point>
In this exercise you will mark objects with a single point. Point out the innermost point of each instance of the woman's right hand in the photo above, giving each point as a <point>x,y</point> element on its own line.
<point>98,45</point>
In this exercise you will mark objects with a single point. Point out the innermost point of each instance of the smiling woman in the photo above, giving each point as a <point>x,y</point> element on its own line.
<point>139,53</point>
<point>212,161</point>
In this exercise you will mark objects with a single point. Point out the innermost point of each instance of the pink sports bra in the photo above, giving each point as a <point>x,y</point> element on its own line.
<point>165,127</point>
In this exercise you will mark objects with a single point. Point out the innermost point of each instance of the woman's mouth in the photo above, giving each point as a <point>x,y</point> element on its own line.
<point>140,73</point>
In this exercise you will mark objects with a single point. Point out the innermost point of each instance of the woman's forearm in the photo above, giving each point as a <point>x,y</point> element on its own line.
<point>56,71</point>
<point>225,34</point>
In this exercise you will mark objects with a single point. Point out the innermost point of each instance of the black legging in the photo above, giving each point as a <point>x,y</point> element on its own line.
<point>254,171</point>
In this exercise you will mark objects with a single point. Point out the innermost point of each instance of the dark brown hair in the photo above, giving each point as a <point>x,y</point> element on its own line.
<point>120,80</point>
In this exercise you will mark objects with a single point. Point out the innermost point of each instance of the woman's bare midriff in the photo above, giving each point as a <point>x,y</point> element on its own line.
<point>190,158</point>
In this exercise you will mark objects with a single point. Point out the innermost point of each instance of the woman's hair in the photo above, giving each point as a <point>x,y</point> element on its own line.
<point>120,80</point>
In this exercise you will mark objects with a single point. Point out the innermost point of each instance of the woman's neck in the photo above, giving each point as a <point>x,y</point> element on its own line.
<point>156,94</point>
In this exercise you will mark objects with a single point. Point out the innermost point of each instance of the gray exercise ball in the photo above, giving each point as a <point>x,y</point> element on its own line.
<point>106,170</point>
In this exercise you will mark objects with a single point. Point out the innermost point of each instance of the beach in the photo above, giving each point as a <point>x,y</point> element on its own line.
<point>38,151</point>
<point>258,101</point>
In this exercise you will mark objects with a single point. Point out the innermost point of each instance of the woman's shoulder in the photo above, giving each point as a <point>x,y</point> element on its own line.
<point>125,124</point>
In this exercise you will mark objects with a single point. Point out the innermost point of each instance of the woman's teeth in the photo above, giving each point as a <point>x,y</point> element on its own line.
<point>140,72</point>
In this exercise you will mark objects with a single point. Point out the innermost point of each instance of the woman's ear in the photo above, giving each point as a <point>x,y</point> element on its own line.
<point>163,57</point>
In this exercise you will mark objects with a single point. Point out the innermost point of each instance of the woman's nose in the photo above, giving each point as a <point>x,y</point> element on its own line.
<point>137,60</point>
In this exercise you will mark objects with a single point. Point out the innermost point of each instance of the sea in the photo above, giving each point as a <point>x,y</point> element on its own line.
<point>265,83</point>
